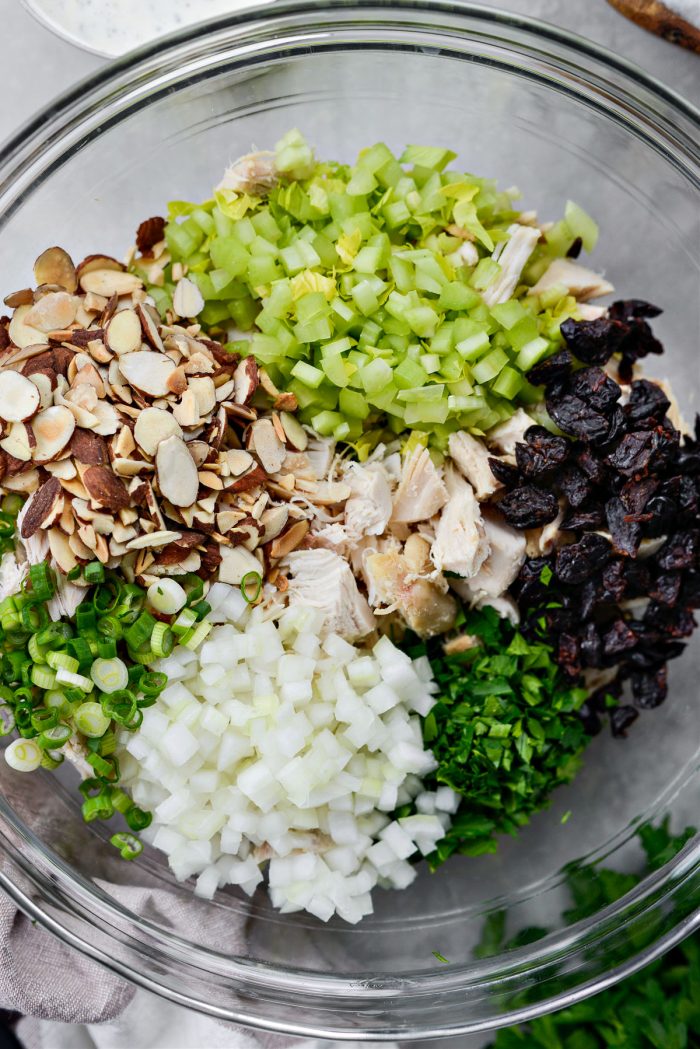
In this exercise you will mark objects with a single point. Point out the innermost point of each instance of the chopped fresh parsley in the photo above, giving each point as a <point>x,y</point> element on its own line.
<point>505,732</point>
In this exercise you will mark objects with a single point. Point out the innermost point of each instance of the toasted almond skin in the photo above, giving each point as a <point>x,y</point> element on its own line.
<point>55,266</point>
<point>289,540</point>
<point>105,488</point>
<point>43,509</point>
<point>98,262</point>
<point>246,379</point>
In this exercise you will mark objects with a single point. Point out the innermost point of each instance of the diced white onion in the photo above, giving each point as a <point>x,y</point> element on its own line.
<point>166,596</point>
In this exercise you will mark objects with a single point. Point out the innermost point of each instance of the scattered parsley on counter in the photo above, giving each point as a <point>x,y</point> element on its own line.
<point>505,731</point>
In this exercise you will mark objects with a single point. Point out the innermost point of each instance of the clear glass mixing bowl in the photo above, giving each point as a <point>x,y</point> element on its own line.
<point>529,105</point>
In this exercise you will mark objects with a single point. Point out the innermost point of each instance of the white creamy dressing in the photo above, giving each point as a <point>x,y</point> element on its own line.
<point>115,26</point>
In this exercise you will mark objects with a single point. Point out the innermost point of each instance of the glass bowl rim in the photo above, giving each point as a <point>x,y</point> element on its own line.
<point>18,154</point>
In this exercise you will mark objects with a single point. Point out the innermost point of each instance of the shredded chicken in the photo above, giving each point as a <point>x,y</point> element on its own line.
<point>504,605</point>
<point>588,312</point>
<point>421,492</point>
<point>674,412</point>
<point>323,579</point>
<point>512,260</point>
<point>506,435</point>
<point>543,540</point>
<point>369,508</point>
<point>68,596</point>
<point>421,602</point>
<point>501,567</point>
<point>320,452</point>
<point>460,540</point>
<point>253,173</point>
<point>11,575</point>
<point>579,281</point>
<point>472,459</point>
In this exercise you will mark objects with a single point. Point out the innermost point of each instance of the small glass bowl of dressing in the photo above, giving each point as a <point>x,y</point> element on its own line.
<point>112,27</point>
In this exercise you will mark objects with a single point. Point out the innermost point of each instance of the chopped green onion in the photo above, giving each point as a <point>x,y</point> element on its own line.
<point>55,737</point>
<point>41,581</point>
<point>42,676</point>
<point>85,620</point>
<point>193,586</point>
<point>81,650</point>
<point>129,846</point>
<point>186,619</point>
<point>23,755</point>
<point>106,768</point>
<point>110,627</point>
<point>193,638</point>
<point>98,807</point>
<point>110,675</point>
<point>251,586</point>
<point>90,720</point>
<point>94,572</point>
<point>7,720</point>
<point>34,616</point>
<point>56,660</point>
<point>55,634</point>
<point>202,609</point>
<point>137,819</point>
<point>153,683</point>
<point>139,633</point>
<point>67,677</point>
<point>162,639</point>
<point>43,719</point>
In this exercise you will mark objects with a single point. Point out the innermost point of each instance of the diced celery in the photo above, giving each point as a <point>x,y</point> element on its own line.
<point>581,225</point>
<point>508,383</point>
<point>375,376</point>
<point>409,373</point>
<point>457,296</point>
<point>531,353</point>
<point>307,374</point>
<point>452,367</point>
<point>523,332</point>
<point>353,404</point>
<point>325,422</point>
<point>365,298</point>
<point>263,271</point>
<point>485,274</point>
<point>489,366</point>
<point>423,320</point>
<point>228,254</point>
<point>432,392</point>
<point>508,313</point>
<point>474,346</point>
<point>430,362</point>
<point>336,369</point>
<point>424,413</point>
<point>396,214</point>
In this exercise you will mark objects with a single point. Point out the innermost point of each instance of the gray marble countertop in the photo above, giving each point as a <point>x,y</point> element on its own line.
<point>39,65</point>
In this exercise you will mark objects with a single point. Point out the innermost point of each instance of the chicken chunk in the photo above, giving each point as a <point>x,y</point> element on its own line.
<point>11,575</point>
<point>320,452</point>
<point>512,261</point>
<point>579,281</point>
<point>322,579</point>
<point>253,173</point>
<point>460,540</point>
<point>67,596</point>
<point>506,435</point>
<point>421,492</point>
<point>588,312</point>
<point>369,508</point>
<point>421,602</point>
<point>501,567</point>
<point>472,458</point>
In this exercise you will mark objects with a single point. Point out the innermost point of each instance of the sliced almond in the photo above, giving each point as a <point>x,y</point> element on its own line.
<point>273,522</point>
<point>246,379</point>
<point>252,479</point>
<point>200,451</point>
<point>25,297</point>
<point>225,390</point>
<point>53,428</point>
<point>205,394</point>
<point>177,473</point>
<point>130,467</point>
<point>200,363</point>
<point>97,262</point>
<point>110,282</point>
<point>286,402</point>
<point>61,551</point>
<point>124,333</point>
<point>67,522</point>
<point>296,435</point>
<point>154,425</point>
<point>43,509</point>
<point>177,383</point>
<point>236,562</point>
<point>267,445</point>
<point>88,448</point>
<point>150,322</point>
<point>94,303</point>
<point>104,488</point>
<point>16,443</point>
<point>87,534</point>
<point>54,311</point>
<point>247,533</point>
<point>187,411</point>
<point>236,461</point>
<point>289,540</point>
<point>155,539</point>
<point>147,371</point>
<point>64,469</point>
<point>81,551</point>
<point>123,444</point>
<point>227,519</point>
<point>187,299</point>
<point>210,480</point>
<point>19,397</point>
<point>25,482</point>
<point>23,334</point>
<point>240,411</point>
<point>191,563</point>
<point>123,533</point>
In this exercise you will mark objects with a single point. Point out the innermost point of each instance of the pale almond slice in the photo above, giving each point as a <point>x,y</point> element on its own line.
<point>224,391</point>
<point>236,461</point>
<point>147,371</point>
<point>200,363</point>
<point>246,379</point>
<point>210,480</point>
<point>227,519</point>
<point>154,425</point>
<point>177,382</point>
<point>155,539</point>
<point>24,297</point>
<point>123,533</point>
<point>130,467</point>
<point>81,551</point>
<point>150,322</point>
<point>110,282</point>
<point>191,563</point>
<point>53,429</point>
<point>17,443</point>
<point>84,395</point>
<point>52,312</point>
<point>43,509</point>
<point>97,262</point>
<point>25,482</point>
<point>247,533</point>
<point>199,450</point>
<point>187,298</point>
<point>76,488</point>
<point>61,551</point>
<point>274,521</point>
<point>62,468</point>
<point>187,411</point>
<point>94,303</point>
<point>296,435</point>
<point>123,443</point>
<point>289,540</point>
<point>177,473</point>
<point>67,522</point>
<point>267,445</point>
<point>87,534</point>
<point>205,394</point>
<point>19,397</point>
<point>236,562</point>
<point>23,334</point>
<point>124,333</point>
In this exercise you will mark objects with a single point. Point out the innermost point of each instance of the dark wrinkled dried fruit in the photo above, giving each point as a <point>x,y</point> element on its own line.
<point>621,718</point>
<point>626,535</point>
<point>508,475</point>
<point>591,465</point>
<point>650,689</point>
<point>628,309</point>
<point>614,581</point>
<point>662,513</point>
<point>596,388</point>
<point>635,494</point>
<point>541,452</point>
<point>680,551</point>
<point>591,646</point>
<point>568,655</point>
<point>149,233</point>
<point>575,417</point>
<point>639,342</point>
<point>529,586</point>
<point>593,342</point>
<point>574,484</point>
<point>552,370</point>
<point>667,588</point>
<point>647,401</point>
<point>591,720</point>
<point>579,561</point>
<point>633,453</point>
<point>529,507</point>
<point>582,519</point>
<point>620,638</point>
